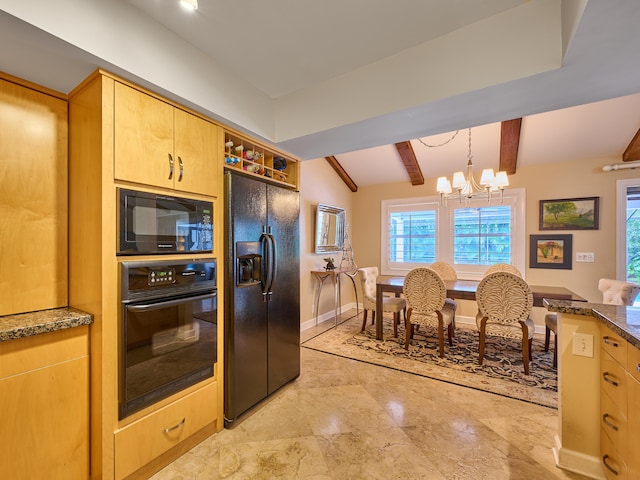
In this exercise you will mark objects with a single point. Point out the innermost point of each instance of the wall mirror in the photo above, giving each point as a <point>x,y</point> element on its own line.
<point>330,222</point>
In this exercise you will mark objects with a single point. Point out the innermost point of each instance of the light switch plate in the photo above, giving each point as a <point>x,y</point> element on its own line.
<point>585,257</point>
<point>582,344</point>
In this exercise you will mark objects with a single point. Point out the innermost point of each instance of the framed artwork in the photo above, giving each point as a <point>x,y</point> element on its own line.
<point>550,251</point>
<point>570,214</point>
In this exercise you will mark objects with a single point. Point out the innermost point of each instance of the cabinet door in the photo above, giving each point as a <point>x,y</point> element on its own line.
<point>196,150</point>
<point>44,420</point>
<point>143,136</point>
<point>633,432</point>
<point>33,200</point>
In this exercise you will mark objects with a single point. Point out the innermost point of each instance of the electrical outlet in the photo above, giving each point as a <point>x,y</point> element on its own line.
<point>585,257</point>
<point>582,344</point>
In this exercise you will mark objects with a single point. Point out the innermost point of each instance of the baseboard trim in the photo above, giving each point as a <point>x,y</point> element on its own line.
<point>577,462</point>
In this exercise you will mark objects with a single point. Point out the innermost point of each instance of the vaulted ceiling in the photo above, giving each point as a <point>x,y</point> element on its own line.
<point>361,83</point>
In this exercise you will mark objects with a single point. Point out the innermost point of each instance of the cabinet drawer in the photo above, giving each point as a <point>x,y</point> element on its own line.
<point>147,438</point>
<point>613,344</point>
<point>613,423</point>
<point>613,380</point>
<point>612,465</point>
<point>633,362</point>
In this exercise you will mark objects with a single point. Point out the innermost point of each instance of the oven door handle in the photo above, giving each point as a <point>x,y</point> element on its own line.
<point>168,303</point>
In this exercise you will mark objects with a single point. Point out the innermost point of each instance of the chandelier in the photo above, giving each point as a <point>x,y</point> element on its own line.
<point>467,188</point>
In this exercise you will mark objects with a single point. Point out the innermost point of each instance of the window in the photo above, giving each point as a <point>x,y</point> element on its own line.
<point>419,231</point>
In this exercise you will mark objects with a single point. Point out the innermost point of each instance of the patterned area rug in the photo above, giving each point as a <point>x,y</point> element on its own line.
<point>501,373</point>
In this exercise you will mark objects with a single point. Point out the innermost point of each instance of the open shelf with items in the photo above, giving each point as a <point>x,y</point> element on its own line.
<point>242,153</point>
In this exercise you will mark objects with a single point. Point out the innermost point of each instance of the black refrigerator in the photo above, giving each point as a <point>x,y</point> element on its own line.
<point>262,291</point>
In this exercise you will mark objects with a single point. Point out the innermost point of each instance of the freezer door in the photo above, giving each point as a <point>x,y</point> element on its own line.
<point>245,311</point>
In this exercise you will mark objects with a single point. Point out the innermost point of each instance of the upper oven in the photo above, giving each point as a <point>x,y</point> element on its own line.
<point>151,223</point>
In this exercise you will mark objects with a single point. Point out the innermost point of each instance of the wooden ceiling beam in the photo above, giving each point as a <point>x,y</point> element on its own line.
<point>632,153</point>
<point>342,173</point>
<point>410,161</point>
<point>509,143</point>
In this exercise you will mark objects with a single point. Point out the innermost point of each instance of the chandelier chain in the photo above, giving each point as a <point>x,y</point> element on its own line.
<point>440,144</point>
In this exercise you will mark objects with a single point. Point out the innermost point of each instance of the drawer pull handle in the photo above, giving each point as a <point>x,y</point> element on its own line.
<point>181,169</point>
<point>606,339</point>
<point>609,467</point>
<point>177,425</point>
<point>638,367</point>
<point>170,167</point>
<point>605,377</point>
<point>608,423</point>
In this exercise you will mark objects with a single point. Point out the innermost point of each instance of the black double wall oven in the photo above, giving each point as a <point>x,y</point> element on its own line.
<point>168,329</point>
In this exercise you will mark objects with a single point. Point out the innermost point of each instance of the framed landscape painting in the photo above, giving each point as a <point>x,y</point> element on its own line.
<point>570,214</point>
<point>550,251</point>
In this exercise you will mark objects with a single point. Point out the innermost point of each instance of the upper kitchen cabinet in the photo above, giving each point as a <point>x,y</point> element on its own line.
<point>33,197</point>
<point>160,145</point>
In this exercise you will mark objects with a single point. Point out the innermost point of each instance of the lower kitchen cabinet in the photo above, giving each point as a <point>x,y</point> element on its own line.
<point>44,405</point>
<point>619,406</point>
<point>149,437</point>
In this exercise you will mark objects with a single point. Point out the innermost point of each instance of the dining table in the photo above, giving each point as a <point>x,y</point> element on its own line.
<point>465,290</point>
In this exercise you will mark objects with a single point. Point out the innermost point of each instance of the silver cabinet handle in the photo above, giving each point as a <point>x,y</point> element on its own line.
<point>170,167</point>
<point>177,425</point>
<point>608,423</point>
<point>605,377</point>
<point>181,168</point>
<point>609,341</point>
<point>609,467</point>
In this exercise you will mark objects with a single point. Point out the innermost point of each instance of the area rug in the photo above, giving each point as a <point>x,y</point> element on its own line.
<point>501,373</point>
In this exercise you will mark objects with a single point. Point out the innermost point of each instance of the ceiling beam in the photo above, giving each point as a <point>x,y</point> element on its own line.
<point>342,173</point>
<point>509,143</point>
<point>632,153</point>
<point>410,161</point>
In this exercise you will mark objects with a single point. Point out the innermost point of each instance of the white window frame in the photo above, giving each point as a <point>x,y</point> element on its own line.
<point>516,197</point>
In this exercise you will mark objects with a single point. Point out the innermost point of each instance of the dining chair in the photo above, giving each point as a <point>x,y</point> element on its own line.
<point>614,292</point>
<point>368,277</point>
<point>425,293</point>
<point>505,301</point>
<point>448,274</point>
<point>502,267</point>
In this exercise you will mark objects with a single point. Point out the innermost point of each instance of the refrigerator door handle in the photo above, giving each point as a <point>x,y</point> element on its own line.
<point>274,263</point>
<point>265,242</point>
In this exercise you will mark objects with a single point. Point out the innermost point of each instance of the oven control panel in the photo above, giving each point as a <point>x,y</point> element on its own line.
<point>166,278</point>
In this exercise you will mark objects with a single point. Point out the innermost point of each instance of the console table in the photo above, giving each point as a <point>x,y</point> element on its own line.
<point>334,275</point>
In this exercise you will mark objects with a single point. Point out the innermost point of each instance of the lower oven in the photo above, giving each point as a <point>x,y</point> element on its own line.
<point>169,331</point>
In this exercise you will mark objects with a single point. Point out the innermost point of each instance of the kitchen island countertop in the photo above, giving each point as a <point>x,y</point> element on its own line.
<point>623,320</point>
<point>22,325</point>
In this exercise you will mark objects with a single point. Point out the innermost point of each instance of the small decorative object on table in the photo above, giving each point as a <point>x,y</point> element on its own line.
<point>330,264</point>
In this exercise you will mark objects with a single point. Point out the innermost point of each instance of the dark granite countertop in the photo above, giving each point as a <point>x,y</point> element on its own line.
<point>625,321</point>
<point>21,325</point>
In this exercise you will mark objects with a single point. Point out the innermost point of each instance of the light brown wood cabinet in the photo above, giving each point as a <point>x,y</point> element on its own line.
<point>44,405</point>
<point>256,159</point>
<point>149,437</point>
<point>619,406</point>
<point>117,125</point>
<point>158,144</point>
<point>33,199</point>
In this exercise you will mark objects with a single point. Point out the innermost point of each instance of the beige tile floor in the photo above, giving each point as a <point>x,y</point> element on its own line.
<point>344,419</point>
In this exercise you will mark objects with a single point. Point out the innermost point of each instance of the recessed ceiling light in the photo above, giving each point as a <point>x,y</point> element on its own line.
<point>190,4</point>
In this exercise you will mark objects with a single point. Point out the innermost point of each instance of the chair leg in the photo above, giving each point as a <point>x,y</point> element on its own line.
<point>450,331</point>
<point>530,349</point>
<point>526,343</point>
<point>483,326</point>
<point>555,350</point>
<point>364,320</point>
<point>396,319</point>
<point>373,317</point>
<point>408,333</point>
<point>547,333</point>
